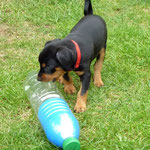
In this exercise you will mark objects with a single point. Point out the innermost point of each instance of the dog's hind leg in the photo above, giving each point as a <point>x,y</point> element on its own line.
<point>98,67</point>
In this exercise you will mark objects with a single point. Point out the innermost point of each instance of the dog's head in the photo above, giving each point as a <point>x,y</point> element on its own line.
<point>54,61</point>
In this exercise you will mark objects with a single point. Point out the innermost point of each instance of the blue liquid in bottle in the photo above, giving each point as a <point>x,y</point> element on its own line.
<point>59,124</point>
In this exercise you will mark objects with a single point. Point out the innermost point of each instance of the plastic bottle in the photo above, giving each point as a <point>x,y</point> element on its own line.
<point>60,125</point>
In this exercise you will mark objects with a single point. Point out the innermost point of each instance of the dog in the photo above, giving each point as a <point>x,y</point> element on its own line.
<point>86,41</point>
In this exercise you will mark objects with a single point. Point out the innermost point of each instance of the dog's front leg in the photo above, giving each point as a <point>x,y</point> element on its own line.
<point>83,92</point>
<point>68,83</point>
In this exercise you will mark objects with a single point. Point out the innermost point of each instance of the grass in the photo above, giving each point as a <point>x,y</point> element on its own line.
<point>118,113</point>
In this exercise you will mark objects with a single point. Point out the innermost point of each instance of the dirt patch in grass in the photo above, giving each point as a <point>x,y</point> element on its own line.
<point>26,32</point>
<point>24,115</point>
<point>2,56</point>
<point>3,29</point>
<point>6,33</point>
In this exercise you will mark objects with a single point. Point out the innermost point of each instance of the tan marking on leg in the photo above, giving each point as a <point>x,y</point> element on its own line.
<point>81,102</point>
<point>61,79</point>
<point>79,73</point>
<point>97,69</point>
<point>68,85</point>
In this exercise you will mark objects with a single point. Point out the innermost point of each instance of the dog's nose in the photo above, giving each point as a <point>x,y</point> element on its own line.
<point>39,78</point>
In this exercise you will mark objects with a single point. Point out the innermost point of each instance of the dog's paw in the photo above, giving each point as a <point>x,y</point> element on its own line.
<point>98,83</point>
<point>80,108</point>
<point>61,79</point>
<point>70,89</point>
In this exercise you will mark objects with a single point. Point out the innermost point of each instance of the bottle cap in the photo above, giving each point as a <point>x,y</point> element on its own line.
<point>71,144</point>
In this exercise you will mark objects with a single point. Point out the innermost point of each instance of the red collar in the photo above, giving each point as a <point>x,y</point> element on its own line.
<point>78,54</point>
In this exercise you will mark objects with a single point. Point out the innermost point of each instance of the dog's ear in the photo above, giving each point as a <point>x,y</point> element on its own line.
<point>65,57</point>
<point>47,42</point>
<point>55,40</point>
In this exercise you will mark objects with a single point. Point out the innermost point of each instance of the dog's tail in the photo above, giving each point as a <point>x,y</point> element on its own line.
<point>88,8</point>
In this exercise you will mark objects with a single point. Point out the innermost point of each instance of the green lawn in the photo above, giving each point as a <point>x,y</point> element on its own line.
<point>118,114</point>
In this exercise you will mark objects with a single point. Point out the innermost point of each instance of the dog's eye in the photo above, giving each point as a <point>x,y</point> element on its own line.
<point>53,70</point>
<point>49,70</point>
<point>43,65</point>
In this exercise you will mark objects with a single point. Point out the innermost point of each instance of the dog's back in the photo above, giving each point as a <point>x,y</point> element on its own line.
<point>91,27</point>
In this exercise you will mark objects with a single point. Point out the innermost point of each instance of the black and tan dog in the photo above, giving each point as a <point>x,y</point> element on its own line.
<point>86,41</point>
